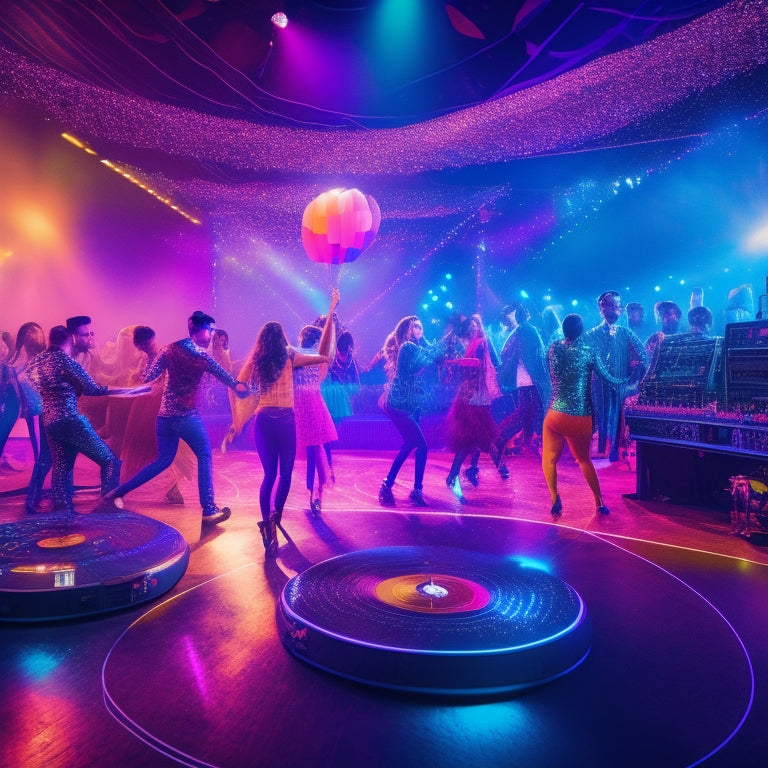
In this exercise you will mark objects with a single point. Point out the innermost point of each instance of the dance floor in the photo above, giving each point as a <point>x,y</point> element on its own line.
<point>677,673</point>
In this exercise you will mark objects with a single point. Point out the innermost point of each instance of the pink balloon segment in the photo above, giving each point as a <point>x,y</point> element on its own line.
<point>339,225</point>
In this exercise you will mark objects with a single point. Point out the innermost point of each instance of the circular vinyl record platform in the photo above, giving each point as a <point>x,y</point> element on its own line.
<point>434,620</point>
<point>59,567</point>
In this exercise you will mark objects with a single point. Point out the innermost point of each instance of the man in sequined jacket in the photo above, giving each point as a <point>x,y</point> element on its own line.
<point>60,380</point>
<point>185,362</point>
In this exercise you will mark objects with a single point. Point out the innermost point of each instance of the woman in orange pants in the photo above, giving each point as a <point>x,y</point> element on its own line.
<point>569,418</point>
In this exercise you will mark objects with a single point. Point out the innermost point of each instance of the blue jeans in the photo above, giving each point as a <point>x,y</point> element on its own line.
<point>413,438</point>
<point>169,430</point>
<point>275,436</point>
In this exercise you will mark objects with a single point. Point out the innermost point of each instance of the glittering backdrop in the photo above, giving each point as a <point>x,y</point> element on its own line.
<point>562,188</point>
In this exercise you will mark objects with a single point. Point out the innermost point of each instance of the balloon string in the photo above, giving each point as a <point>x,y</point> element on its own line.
<point>331,282</point>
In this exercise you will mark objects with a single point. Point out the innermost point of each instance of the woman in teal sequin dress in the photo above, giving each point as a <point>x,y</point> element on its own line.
<point>569,418</point>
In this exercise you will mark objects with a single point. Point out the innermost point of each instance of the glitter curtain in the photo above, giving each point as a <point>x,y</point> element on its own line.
<point>541,159</point>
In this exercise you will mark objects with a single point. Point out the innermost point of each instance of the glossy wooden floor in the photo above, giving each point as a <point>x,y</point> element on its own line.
<point>677,674</point>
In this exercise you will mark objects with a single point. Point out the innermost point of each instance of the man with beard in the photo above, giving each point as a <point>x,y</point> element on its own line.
<point>623,356</point>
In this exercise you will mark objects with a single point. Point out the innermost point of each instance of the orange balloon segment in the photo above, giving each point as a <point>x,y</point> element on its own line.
<point>338,225</point>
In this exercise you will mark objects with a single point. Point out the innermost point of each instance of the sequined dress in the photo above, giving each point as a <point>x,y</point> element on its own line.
<point>314,425</point>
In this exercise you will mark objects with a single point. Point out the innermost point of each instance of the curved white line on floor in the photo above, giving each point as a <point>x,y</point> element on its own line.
<point>730,626</point>
<point>188,760</point>
<point>131,725</point>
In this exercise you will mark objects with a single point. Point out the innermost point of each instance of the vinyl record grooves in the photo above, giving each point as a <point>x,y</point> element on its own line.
<point>434,619</point>
<point>57,567</point>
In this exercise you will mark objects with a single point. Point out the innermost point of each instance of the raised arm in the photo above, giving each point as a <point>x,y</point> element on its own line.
<point>328,339</point>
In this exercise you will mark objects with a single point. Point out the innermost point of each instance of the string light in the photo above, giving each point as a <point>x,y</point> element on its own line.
<point>129,176</point>
<point>245,189</point>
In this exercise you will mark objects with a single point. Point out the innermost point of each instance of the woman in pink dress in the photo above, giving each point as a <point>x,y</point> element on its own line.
<point>314,424</point>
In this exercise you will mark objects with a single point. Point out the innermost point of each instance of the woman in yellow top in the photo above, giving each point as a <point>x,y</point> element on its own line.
<point>269,371</point>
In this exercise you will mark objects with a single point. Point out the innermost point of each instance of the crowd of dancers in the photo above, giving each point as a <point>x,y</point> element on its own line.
<point>545,386</point>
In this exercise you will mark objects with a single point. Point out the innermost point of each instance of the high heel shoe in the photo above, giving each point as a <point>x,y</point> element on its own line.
<point>472,474</point>
<point>603,510</point>
<point>264,531</point>
<point>557,507</point>
<point>268,533</point>
<point>314,507</point>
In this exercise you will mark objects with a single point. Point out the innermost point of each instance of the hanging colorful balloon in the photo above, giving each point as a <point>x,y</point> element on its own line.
<point>339,225</point>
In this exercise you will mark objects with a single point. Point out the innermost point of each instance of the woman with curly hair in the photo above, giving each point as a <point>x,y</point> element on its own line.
<point>404,399</point>
<point>269,371</point>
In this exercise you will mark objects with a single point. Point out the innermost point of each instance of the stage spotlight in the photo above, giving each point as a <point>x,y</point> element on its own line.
<point>757,242</point>
<point>279,19</point>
